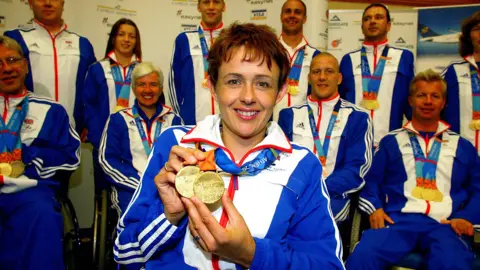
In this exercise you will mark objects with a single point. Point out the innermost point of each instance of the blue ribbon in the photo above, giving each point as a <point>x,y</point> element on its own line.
<point>10,133</point>
<point>322,151</point>
<point>371,84</point>
<point>425,167</point>
<point>142,133</point>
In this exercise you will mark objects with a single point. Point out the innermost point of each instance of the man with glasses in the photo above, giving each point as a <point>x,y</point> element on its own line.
<point>36,142</point>
<point>58,59</point>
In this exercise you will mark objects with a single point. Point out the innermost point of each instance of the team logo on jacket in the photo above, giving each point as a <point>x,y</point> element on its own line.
<point>132,123</point>
<point>465,75</point>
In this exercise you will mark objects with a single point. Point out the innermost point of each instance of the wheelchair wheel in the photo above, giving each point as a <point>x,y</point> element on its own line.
<point>71,234</point>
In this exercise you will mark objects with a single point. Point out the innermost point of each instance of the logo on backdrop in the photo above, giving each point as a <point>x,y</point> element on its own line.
<point>259,2</point>
<point>116,10</point>
<point>336,43</point>
<point>106,23</point>
<point>184,2</point>
<point>189,27</point>
<point>400,23</point>
<point>183,16</point>
<point>2,21</point>
<point>400,42</point>
<point>259,14</point>
<point>336,22</point>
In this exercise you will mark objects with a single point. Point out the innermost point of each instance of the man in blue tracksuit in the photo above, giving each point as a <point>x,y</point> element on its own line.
<point>58,58</point>
<point>344,132</point>
<point>462,110</point>
<point>36,142</point>
<point>300,53</point>
<point>423,189</point>
<point>188,89</point>
<point>377,75</point>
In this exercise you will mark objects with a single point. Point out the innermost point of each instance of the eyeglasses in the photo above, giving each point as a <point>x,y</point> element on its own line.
<point>11,61</point>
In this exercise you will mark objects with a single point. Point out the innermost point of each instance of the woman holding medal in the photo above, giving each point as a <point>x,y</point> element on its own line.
<point>107,85</point>
<point>275,213</point>
<point>129,134</point>
<point>462,111</point>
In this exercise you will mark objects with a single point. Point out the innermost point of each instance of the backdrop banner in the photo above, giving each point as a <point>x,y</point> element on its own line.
<point>438,32</point>
<point>345,31</point>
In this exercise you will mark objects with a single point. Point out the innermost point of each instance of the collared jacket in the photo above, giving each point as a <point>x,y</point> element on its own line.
<point>49,142</point>
<point>285,207</point>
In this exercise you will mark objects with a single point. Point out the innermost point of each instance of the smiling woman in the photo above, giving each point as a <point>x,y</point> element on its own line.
<point>275,213</point>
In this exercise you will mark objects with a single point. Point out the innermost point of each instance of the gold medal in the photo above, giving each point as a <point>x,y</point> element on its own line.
<point>477,124</point>
<point>205,83</point>
<point>119,108</point>
<point>17,168</point>
<point>438,196</point>
<point>293,90</point>
<point>5,169</point>
<point>369,104</point>
<point>184,180</point>
<point>417,192</point>
<point>428,194</point>
<point>209,187</point>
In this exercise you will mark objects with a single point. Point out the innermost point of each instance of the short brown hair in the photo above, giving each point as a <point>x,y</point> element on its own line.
<point>259,41</point>
<point>428,76</point>
<point>466,47</point>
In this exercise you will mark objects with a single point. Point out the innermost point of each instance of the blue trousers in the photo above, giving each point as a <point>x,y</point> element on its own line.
<point>31,230</point>
<point>382,248</point>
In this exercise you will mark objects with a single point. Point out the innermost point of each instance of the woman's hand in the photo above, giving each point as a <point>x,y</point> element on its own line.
<point>165,180</point>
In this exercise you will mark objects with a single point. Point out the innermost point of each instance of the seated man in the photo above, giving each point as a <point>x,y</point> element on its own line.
<point>36,141</point>
<point>425,183</point>
<point>339,132</point>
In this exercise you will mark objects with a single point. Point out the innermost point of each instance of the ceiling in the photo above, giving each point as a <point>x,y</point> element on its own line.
<point>417,3</point>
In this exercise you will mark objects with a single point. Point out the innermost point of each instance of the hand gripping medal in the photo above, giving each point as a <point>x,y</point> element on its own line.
<point>202,181</point>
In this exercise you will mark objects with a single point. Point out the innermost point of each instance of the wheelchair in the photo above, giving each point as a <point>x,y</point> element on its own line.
<point>414,260</point>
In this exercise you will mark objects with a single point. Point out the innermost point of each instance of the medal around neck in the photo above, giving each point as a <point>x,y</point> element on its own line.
<point>5,169</point>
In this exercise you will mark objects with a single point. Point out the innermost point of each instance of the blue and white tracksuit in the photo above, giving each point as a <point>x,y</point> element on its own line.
<point>394,87</point>
<point>57,64</point>
<point>99,96</point>
<point>187,96</point>
<point>350,150</point>
<point>459,107</point>
<point>31,225</point>
<point>303,85</point>
<point>389,185</point>
<point>285,206</point>
<point>122,155</point>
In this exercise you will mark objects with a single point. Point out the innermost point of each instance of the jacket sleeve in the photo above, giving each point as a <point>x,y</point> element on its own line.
<point>143,230</point>
<point>347,87</point>
<point>470,211</point>
<point>285,120</point>
<point>313,240</point>
<point>370,196</point>
<point>174,78</point>
<point>91,91</point>
<point>87,58</point>
<point>358,158</point>
<point>56,148</point>
<point>451,113</point>
<point>114,154</point>
<point>407,61</point>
